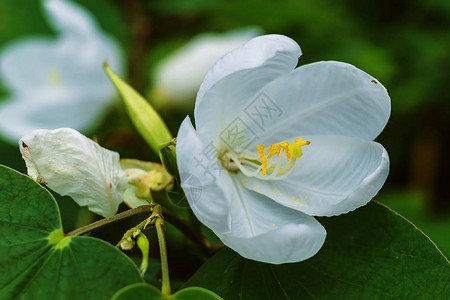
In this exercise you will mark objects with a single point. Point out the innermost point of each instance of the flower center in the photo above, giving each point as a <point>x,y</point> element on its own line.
<point>54,77</point>
<point>271,163</point>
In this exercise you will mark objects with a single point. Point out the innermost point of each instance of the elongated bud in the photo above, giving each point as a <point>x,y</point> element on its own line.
<point>146,120</point>
<point>144,245</point>
<point>168,157</point>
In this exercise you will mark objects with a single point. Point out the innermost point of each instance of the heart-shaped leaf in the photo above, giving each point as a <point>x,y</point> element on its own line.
<point>39,262</point>
<point>371,253</point>
<point>144,291</point>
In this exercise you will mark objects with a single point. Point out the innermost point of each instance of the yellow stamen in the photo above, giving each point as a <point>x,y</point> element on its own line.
<point>263,158</point>
<point>301,142</point>
<point>285,146</point>
<point>290,150</point>
<point>274,149</point>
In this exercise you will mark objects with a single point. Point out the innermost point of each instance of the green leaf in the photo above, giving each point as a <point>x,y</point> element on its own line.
<point>146,120</point>
<point>39,262</point>
<point>144,291</point>
<point>371,253</point>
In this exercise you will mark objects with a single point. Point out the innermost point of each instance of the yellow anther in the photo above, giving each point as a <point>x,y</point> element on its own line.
<point>301,142</point>
<point>291,150</point>
<point>285,146</point>
<point>274,149</point>
<point>263,158</point>
<point>260,149</point>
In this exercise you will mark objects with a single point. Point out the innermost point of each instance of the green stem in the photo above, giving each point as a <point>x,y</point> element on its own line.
<point>96,225</point>
<point>165,287</point>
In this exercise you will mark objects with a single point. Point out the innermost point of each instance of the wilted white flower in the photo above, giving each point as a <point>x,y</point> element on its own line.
<point>57,82</point>
<point>274,146</point>
<point>178,77</point>
<point>71,164</point>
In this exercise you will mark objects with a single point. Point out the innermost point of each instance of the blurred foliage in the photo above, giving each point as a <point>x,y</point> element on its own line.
<point>404,44</point>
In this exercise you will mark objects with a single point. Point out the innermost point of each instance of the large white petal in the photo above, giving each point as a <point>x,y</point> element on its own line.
<point>69,18</point>
<point>248,222</point>
<point>205,187</point>
<point>83,69</point>
<point>236,79</point>
<point>328,98</point>
<point>29,64</point>
<point>73,165</point>
<point>335,175</point>
<point>265,231</point>
<point>77,28</point>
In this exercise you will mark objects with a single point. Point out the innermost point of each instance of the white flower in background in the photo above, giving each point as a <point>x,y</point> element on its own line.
<point>57,82</point>
<point>274,146</point>
<point>178,77</point>
<point>71,164</point>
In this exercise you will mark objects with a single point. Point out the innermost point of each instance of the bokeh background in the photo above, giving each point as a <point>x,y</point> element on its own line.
<point>404,44</point>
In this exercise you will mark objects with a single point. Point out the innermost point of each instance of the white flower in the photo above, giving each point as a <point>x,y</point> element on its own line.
<point>274,146</point>
<point>178,77</point>
<point>71,164</point>
<point>57,82</point>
